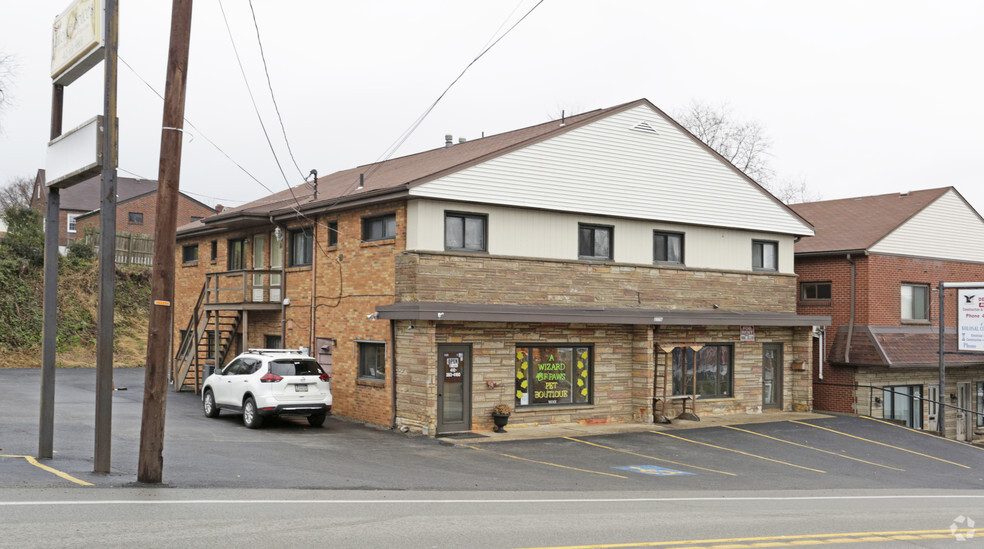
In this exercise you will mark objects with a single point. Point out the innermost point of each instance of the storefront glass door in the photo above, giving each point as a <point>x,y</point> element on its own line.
<point>453,388</point>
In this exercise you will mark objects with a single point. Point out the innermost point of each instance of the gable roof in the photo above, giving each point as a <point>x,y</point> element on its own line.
<point>84,196</point>
<point>396,177</point>
<point>857,224</point>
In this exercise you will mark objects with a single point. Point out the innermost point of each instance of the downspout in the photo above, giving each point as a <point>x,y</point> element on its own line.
<point>822,332</point>
<point>393,377</point>
<point>850,326</point>
<point>314,278</point>
<point>283,284</point>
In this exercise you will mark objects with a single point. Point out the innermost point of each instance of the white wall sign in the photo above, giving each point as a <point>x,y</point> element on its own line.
<point>748,333</point>
<point>970,319</point>
<point>75,155</point>
<point>77,40</point>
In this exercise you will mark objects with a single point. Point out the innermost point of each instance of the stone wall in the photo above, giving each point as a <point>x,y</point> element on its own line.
<point>470,278</point>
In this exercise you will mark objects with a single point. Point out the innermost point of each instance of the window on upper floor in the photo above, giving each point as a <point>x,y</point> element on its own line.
<point>333,233</point>
<point>667,248</point>
<point>215,250</point>
<point>135,218</point>
<point>594,241</point>
<point>237,254</point>
<point>465,232</point>
<point>765,255</point>
<point>189,253</point>
<point>301,247</point>
<point>196,218</point>
<point>815,291</point>
<point>915,302</point>
<point>71,222</point>
<point>381,227</point>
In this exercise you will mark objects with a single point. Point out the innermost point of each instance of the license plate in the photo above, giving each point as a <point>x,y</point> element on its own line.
<point>300,388</point>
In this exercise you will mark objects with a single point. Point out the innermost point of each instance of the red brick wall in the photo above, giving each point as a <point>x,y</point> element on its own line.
<point>147,205</point>
<point>878,282</point>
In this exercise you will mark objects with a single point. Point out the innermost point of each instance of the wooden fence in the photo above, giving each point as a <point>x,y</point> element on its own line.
<point>131,249</point>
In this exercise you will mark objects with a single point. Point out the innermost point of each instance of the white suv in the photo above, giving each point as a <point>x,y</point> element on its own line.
<point>266,382</point>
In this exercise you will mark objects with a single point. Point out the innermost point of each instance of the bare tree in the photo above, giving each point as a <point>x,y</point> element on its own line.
<point>794,191</point>
<point>743,143</point>
<point>16,193</point>
<point>7,69</point>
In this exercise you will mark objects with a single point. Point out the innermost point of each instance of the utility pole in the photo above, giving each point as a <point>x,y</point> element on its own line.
<point>107,250</point>
<point>151,460</point>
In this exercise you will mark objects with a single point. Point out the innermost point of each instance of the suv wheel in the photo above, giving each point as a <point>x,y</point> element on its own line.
<point>251,418</point>
<point>316,420</point>
<point>208,405</point>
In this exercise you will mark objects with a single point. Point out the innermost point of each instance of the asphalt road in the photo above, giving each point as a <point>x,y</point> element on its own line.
<point>869,482</point>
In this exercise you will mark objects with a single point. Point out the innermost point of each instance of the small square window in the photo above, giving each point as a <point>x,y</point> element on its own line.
<point>301,247</point>
<point>668,248</point>
<point>465,232</point>
<point>915,302</point>
<point>815,291</point>
<point>379,228</point>
<point>765,255</point>
<point>372,360</point>
<point>135,218</point>
<point>594,242</point>
<point>189,253</point>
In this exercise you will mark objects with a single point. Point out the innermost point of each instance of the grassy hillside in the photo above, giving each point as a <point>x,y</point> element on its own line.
<point>21,303</point>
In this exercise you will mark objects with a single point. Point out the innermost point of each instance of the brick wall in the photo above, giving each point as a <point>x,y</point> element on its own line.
<point>463,278</point>
<point>146,205</point>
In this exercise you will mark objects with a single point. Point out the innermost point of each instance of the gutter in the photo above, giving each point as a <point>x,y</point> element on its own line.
<point>393,377</point>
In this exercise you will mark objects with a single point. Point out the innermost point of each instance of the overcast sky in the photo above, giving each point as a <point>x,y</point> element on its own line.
<point>858,98</point>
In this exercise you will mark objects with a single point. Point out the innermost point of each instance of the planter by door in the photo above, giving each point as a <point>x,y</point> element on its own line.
<point>500,421</point>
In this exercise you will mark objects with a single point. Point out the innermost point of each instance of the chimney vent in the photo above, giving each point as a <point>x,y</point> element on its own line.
<point>448,140</point>
<point>461,140</point>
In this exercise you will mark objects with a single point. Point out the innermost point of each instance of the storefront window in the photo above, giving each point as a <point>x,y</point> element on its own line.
<point>713,366</point>
<point>554,375</point>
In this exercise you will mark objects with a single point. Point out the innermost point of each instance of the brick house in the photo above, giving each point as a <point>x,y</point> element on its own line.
<point>136,200</point>
<point>578,270</point>
<point>875,263</point>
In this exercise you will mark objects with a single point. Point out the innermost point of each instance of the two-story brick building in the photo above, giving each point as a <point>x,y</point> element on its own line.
<point>874,266</point>
<point>136,203</point>
<point>577,270</point>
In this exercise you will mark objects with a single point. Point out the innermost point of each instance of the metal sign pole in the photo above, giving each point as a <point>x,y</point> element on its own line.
<point>940,412</point>
<point>107,251</point>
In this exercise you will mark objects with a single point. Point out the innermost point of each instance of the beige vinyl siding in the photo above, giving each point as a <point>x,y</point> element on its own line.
<point>524,232</point>
<point>607,168</point>
<point>946,229</point>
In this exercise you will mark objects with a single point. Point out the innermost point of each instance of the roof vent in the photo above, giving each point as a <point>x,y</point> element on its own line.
<point>904,194</point>
<point>448,140</point>
<point>645,127</point>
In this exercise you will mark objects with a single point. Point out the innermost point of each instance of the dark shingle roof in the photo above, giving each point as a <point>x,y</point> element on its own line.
<point>84,196</point>
<point>859,223</point>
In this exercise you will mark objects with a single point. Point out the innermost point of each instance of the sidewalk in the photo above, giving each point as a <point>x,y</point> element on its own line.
<point>531,432</point>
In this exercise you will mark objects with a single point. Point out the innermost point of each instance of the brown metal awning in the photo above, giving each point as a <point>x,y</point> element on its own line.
<point>474,312</point>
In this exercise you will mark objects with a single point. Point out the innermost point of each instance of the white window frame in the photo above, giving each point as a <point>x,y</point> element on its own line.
<point>71,223</point>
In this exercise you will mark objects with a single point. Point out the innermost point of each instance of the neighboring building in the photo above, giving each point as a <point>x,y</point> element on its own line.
<point>136,200</point>
<point>574,270</point>
<point>876,263</point>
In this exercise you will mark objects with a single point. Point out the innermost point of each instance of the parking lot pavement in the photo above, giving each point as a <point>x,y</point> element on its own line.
<point>782,452</point>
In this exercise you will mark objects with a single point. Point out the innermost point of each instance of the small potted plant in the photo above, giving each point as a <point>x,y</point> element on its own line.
<point>500,415</point>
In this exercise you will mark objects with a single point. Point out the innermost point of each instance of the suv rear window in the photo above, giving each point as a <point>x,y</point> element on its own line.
<point>295,367</point>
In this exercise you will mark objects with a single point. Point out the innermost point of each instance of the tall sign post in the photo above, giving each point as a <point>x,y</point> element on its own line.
<point>970,330</point>
<point>151,460</point>
<point>107,250</point>
<point>78,42</point>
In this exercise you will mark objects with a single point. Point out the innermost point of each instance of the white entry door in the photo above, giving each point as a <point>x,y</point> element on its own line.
<point>259,246</point>
<point>276,262</point>
<point>965,424</point>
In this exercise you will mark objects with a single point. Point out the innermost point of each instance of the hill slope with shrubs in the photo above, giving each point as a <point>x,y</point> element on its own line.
<point>22,298</point>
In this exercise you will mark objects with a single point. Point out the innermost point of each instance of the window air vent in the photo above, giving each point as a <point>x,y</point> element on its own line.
<point>645,127</point>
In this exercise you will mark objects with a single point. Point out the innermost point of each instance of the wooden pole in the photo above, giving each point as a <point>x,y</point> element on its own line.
<point>151,459</point>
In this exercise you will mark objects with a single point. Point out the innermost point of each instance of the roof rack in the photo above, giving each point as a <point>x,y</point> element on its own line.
<point>276,351</point>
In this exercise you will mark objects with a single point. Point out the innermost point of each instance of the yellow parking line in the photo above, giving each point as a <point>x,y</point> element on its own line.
<point>813,448</point>
<point>66,476</point>
<point>937,437</point>
<point>650,457</point>
<point>881,444</point>
<point>547,463</point>
<point>738,452</point>
<point>782,541</point>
